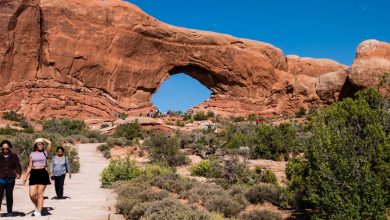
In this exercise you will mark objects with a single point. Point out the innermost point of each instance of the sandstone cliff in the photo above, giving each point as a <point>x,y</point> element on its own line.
<point>91,58</point>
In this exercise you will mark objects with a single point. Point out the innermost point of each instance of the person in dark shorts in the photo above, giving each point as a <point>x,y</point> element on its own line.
<point>59,168</point>
<point>10,169</point>
<point>39,177</point>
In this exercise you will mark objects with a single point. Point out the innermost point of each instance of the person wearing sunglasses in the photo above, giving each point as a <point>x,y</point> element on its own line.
<point>10,169</point>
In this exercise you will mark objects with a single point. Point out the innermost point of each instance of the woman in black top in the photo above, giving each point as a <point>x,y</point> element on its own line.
<point>10,169</point>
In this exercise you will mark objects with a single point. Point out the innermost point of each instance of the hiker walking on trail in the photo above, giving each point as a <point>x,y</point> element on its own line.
<point>39,177</point>
<point>10,169</point>
<point>59,168</point>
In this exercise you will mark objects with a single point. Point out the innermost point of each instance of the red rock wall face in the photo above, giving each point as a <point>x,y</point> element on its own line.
<point>91,58</point>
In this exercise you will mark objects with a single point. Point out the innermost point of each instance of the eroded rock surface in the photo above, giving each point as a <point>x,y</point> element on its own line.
<point>92,59</point>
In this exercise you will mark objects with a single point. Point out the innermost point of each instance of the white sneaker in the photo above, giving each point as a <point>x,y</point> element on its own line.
<point>37,213</point>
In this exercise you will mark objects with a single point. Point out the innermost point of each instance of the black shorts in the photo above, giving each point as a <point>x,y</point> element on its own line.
<point>39,177</point>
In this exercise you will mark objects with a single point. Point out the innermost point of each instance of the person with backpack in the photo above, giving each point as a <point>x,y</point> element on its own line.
<point>37,170</point>
<point>10,169</point>
<point>59,168</point>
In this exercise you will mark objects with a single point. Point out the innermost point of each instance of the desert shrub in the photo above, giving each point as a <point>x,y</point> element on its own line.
<point>166,150</point>
<point>105,149</point>
<point>121,115</point>
<point>301,112</point>
<point>23,122</point>
<point>234,171</point>
<point>214,198</point>
<point>94,135</point>
<point>173,183</point>
<point>180,123</point>
<point>275,142</point>
<point>12,116</point>
<point>138,201</point>
<point>72,155</point>
<point>8,131</point>
<point>65,127</point>
<point>22,146</point>
<point>210,114</point>
<point>200,116</point>
<point>238,119</point>
<point>344,173</point>
<point>75,139</point>
<point>111,141</point>
<point>268,192</point>
<point>252,117</point>
<point>187,117</point>
<point>121,169</point>
<point>129,131</point>
<point>261,215</point>
<point>268,176</point>
<point>172,209</point>
<point>210,168</point>
<point>157,170</point>
<point>132,194</point>
<point>238,140</point>
<point>225,204</point>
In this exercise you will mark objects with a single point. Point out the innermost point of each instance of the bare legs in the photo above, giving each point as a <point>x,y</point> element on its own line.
<point>36,195</point>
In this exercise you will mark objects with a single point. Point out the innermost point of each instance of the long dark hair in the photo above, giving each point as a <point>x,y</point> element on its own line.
<point>6,142</point>
<point>36,147</point>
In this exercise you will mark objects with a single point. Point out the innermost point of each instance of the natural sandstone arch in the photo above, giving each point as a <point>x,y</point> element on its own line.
<point>205,76</point>
<point>92,58</point>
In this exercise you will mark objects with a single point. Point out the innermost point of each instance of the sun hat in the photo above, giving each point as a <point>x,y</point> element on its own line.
<point>39,140</point>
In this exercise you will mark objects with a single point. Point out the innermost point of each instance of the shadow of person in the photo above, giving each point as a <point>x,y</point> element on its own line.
<point>60,198</point>
<point>46,211</point>
<point>15,214</point>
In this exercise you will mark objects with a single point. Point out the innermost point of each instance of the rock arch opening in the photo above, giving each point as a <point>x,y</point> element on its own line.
<point>181,91</point>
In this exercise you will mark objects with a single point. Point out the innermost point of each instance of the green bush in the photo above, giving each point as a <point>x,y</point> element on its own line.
<point>252,117</point>
<point>166,150</point>
<point>117,141</point>
<point>72,155</point>
<point>210,114</point>
<point>207,168</point>
<point>117,170</point>
<point>268,192</point>
<point>200,116</point>
<point>8,131</point>
<point>275,142</point>
<point>12,116</point>
<point>157,170</point>
<point>187,117</point>
<point>238,119</point>
<point>301,112</point>
<point>261,215</point>
<point>345,171</point>
<point>268,176</point>
<point>64,127</point>
<point>94,135</point>
<point>105,149</point>
<point>129,131</point>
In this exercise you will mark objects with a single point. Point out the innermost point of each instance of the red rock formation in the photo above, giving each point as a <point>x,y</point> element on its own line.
<point>372,61</point>
<point>91,59</point>
<point>311,67</point>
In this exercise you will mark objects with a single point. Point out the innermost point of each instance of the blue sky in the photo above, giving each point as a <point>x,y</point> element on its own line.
<point>308,28</point>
